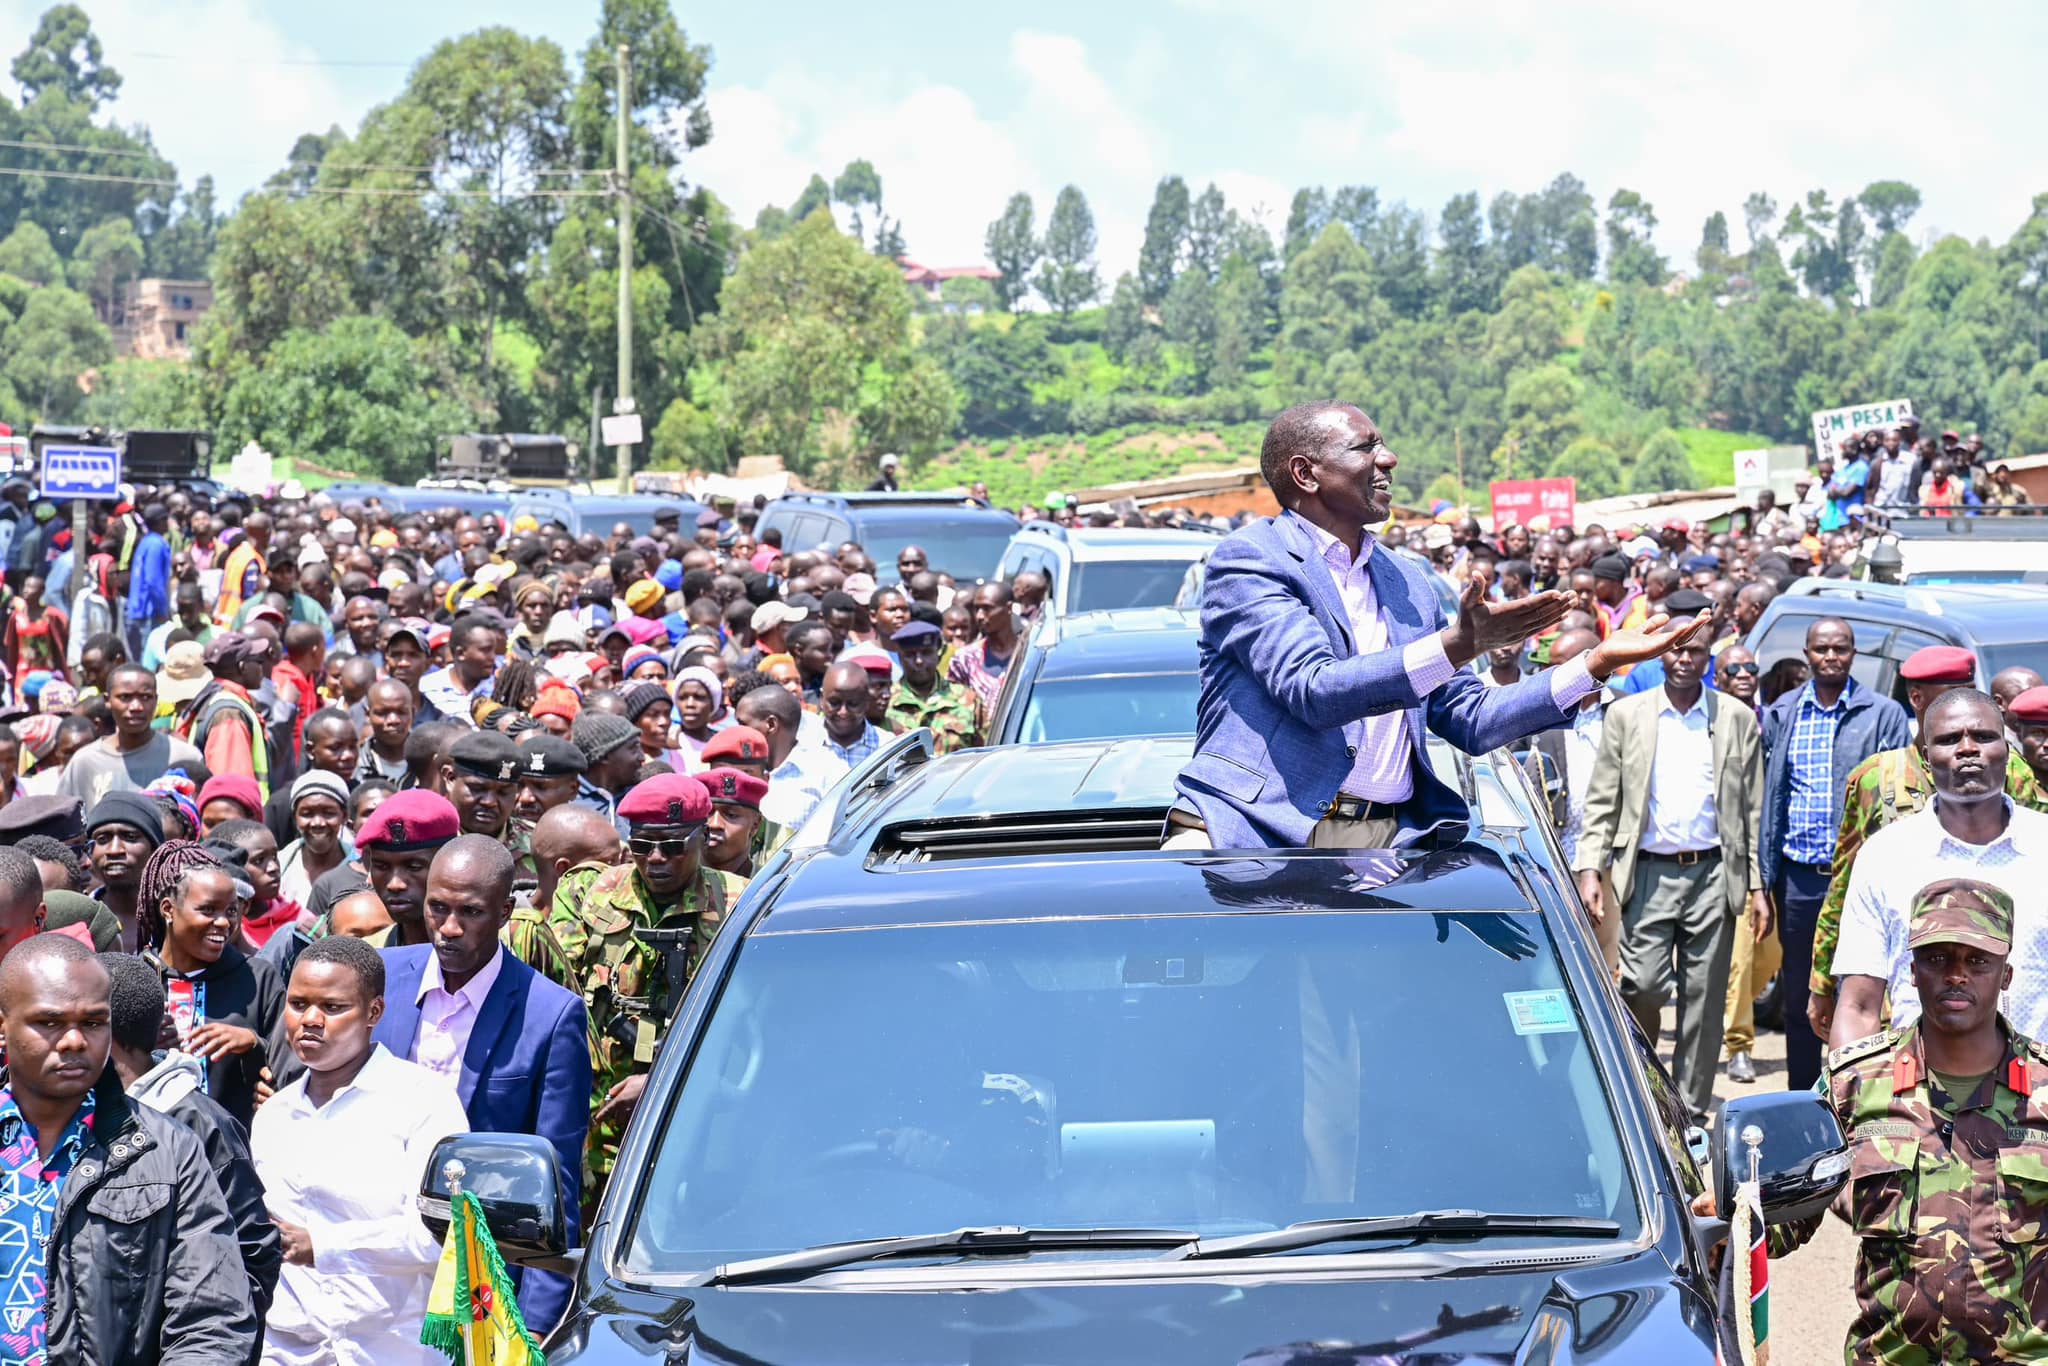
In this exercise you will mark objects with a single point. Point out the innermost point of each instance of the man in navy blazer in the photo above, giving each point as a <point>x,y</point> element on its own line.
<point>1323,661</point>
<point>514,1044</point>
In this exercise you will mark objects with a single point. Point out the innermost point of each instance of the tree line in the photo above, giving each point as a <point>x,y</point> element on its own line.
<point>450,264</point>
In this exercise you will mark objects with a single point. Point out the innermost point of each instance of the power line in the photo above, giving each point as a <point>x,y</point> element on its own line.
<point>31,145</point>
<point>415,191</point>
<point>268,61</point>
<point>89,175</point>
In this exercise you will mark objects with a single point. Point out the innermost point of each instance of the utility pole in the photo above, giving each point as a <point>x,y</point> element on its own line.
<point>623,402</point>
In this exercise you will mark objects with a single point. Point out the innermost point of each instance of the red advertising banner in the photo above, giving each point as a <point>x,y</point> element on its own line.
<point>1523,500</point>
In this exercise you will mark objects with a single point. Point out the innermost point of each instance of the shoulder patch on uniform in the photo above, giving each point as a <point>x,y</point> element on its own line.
<point>1870,1046</point>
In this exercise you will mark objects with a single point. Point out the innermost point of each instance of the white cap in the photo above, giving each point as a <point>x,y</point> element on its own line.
<point>292,491</point>
<point>342,528</point>
<point>889,462</point>
<point>774,613</point>
<point>311,553</point>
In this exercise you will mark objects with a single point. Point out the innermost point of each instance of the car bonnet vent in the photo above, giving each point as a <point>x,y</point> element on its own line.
<point>1022,835</point>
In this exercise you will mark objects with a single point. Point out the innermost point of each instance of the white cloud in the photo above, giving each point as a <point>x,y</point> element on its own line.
<point>216,81</point>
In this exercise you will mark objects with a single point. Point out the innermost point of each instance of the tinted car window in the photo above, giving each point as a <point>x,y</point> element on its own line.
<point>966,549</point>
<point>1214,1072</point>
<point>1106,585</point>
<point>1116,707</point>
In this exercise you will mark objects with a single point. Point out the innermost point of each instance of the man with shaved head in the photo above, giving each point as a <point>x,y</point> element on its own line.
<point>77,1160</point>
<point>513,1044</point>
<point>2007,684</point>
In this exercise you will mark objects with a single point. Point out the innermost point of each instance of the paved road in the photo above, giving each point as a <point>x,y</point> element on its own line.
<point>1813,1292</point>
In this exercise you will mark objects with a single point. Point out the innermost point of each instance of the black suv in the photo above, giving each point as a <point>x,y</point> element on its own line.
<point>959,537</point>
<point>976,1072</point>
<point>2002,624</point>
<point>1102,676</point>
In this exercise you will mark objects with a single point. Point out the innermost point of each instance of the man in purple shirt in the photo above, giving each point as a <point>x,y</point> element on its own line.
<point>1323,662</point>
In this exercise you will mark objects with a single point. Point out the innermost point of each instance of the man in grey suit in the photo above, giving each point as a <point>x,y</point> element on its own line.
<point>1672,816</point>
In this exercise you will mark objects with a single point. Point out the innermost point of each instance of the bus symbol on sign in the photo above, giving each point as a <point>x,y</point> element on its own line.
<point>88,472</point>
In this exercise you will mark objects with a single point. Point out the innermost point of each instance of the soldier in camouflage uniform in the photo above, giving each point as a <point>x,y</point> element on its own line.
<point>1948,1142</point>
<point>922,698</point>
<point>732,834</point>
<point>630,936</point>
<point>547,774</point>
<point>1888,786</point>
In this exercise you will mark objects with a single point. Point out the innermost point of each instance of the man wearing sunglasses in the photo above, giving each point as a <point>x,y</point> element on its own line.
<point>1813,738</point>
<point>629,937</point>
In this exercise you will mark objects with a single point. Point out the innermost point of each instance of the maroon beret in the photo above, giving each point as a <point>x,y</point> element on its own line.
<point>2031,707</point>
<point>412,819</point>
<point>668,799</point>
<point>1939,664</point>
<point>743,743</point>
<point>734,788</point>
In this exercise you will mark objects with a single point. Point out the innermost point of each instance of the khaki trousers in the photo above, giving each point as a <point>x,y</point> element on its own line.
<point>1749,967</point>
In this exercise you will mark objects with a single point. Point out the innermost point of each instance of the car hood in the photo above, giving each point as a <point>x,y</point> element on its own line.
<point>1628,1311</point>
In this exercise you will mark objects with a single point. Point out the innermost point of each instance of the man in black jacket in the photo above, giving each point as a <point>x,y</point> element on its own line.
<point>120,1249</point>
<point>173,1083</point>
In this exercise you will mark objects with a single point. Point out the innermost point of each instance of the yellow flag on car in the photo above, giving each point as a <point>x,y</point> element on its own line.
<point>472,1314</point>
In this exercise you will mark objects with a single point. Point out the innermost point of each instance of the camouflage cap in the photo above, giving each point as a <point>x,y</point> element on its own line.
<point>1960,911</point>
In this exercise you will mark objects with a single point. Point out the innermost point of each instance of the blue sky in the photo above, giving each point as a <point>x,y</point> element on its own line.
<point>959,106</point>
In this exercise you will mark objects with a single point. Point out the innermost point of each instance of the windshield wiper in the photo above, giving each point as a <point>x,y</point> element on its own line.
<point>1001,1238</point>
<point>1436,1223</point>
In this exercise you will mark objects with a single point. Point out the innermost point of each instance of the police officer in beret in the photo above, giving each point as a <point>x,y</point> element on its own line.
<point>732,833</point>
<point>630,936</point>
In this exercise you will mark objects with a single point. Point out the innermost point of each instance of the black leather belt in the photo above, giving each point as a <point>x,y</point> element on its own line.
<point>1686,858</point>
<point>1346,808</point>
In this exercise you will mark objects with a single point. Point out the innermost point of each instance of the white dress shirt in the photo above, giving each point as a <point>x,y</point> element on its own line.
<point>813,769</point>
<point>347,1172</point>
<point>1581,751</point>
<point>1897,861</point>
<point>1383,769</point>
<point>448,1018</point>
<point>1682,817</point>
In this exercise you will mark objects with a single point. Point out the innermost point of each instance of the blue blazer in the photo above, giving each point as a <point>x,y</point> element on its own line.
<point>526,1071</point>
<point>1285,695</point>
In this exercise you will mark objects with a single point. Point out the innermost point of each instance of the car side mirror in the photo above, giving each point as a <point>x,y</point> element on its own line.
<point>516,1179</point>
<point>1804,1157</point>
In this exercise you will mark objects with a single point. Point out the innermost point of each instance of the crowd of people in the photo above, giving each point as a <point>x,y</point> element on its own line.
<point>328,830</point>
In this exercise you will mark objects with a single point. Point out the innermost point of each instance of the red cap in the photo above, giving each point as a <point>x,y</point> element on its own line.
<point>2031,707</point>
<point>730,787</point>
<point>741,743</point>
<point>556,699</point>
<point>238,788</point>
<point>412,819</point>
<point>667,799</point>
<point>1939,664</point>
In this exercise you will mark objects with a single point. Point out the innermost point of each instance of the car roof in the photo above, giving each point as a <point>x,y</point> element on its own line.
<point>1131,640</point>
<point>1124,543</point>
<point>1465,878</point>
<point>1989,613</point>
<point>1017,814</point>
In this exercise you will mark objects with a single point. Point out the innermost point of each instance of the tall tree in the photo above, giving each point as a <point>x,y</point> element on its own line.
<point>1398,243</point>
<point>1166,233</point>
<point>1631,254</point>
<point>1013,249</point>
<point>1189,319</point>
<point>1329,310</point>
<point>1661,466</point>
<point>1067,280</point>
<point>1209,227</point>
<point>1571,233</point>
<point>183,248</point>
<point>108,256</point>
<point>815,195</point>
<point>1306,215</point>
<point>859,188</point>
<point>64,56</point>
<point>1759,213</point>
<point>1241,311</point>
<point>1891,204</point>
<point>1463,269</point>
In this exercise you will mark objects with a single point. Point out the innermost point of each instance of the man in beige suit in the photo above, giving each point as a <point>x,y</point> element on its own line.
<point>1671,817</point>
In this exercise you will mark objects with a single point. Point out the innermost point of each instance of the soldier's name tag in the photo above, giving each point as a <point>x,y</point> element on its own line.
<point>2028,1138</point>
<point>1872,1129</point>
<point>1540,1012</point>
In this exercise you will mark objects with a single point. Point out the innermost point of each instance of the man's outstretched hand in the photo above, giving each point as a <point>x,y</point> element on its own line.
<point>1483,625</point>
<point>1653,638</point>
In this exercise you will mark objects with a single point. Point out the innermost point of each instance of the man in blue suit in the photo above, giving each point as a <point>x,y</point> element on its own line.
<point>1323,662</point>
<point>512,1043</point>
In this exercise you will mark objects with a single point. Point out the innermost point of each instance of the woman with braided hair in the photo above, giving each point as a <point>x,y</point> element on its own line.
<point>224,1006</point>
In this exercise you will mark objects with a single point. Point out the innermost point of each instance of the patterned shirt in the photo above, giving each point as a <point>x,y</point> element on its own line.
<point>952,710</point>
<point>1909,854</point>
<point>1811,819</point>
<point>29,1191</point>
<point>971,666</point>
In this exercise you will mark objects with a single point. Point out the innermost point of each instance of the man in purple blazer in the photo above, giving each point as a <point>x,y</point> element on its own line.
<point>515,1046</point>
<point>1324,658</point>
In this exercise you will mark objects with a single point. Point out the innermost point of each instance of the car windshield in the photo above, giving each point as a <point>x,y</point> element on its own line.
<point>965,549</point>
<point>1120,706</point>
<point>2024,654</point>
<point>1219,1072</point>
<point>1106,585</point>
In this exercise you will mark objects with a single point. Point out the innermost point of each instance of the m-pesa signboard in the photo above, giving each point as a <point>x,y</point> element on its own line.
<point>1832,426</point>
<point>1521,501</point>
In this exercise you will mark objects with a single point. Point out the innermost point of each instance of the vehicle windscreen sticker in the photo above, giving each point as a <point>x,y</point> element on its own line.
<point>1541,1012</point>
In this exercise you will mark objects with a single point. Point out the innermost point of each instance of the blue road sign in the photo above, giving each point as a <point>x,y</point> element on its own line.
<point>89,472</point>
